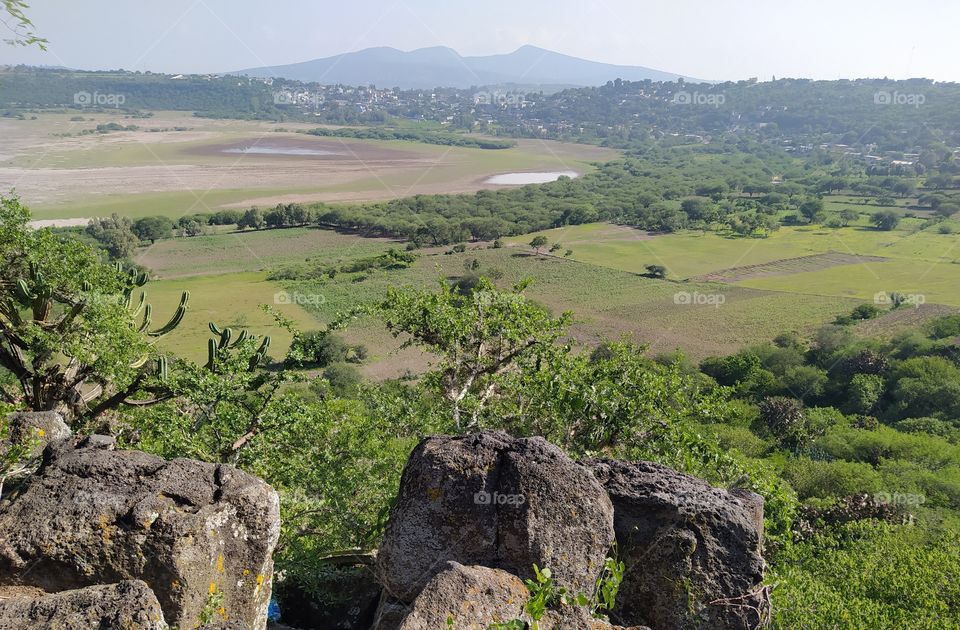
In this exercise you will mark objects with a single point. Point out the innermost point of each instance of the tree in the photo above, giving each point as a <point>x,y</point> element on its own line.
<point>886,220</point>
<point>812,210</point>
<point>538,243</point>
<point>252,218</point>
<point>656,271</point>
<point>848,216</point>
<point>152,228</point>
<point>68,332</point>
<point>479,336</point>
<point>20,25</point>
<point>115,234</point>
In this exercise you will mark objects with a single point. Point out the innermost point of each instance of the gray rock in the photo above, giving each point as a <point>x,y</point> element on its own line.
<point>473,597</point>
<point>389,615</point>
<point>129,605</point>
<point>692,551</point>
<point>199,535</point>
<point>47,427</point>
<point>495,501</point>
<point>577,618</point>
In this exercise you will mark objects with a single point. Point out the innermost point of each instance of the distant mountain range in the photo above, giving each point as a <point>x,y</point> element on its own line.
<point>444,67</point>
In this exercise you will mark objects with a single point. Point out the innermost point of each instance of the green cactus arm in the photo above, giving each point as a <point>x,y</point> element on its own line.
<point>147,319</point>
<point>176,319</point>
<point>211,354</point>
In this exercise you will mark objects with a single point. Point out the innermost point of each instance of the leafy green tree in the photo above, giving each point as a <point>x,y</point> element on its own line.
<point>656,271</point>
<point>538,243</point>
<point>68,332</point>
<point>480,336</point>
<point>115,234</point>
<point>812,210</point>
<point>20,25</point>
<point>153,228</point>
<point>252,218</point>
<point>886,220</point>
<point>864,392</point>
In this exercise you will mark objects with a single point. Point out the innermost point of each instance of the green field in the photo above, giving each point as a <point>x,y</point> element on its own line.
<point>259,250</point>
<point>601,283</point>
<point>227,300</point>
<point>918,261</point>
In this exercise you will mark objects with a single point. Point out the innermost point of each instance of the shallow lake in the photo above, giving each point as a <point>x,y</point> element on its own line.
<point>261,149</point>
<point>522,179</point>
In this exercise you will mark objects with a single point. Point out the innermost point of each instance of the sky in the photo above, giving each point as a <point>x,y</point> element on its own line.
<point>706,39</point>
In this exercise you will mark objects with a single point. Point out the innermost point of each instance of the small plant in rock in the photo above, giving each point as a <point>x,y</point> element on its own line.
<point>608,585</point>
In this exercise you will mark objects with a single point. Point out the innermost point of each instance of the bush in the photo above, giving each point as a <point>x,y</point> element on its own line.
<point>870,574</point>
<point>831,479</point>
<point>944,327</point>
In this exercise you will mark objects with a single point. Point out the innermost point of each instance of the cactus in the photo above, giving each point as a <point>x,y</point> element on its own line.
<point>223,340</point>
<point>175,320</point>
<point>163,369</point>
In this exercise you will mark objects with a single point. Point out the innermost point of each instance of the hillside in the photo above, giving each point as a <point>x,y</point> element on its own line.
<point>427,68</point>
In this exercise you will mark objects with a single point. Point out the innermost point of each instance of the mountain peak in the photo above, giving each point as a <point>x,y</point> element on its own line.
<point>441,66</point>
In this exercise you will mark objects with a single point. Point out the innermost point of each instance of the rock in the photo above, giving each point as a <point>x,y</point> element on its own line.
<point>389,614</point>
<point>200,535</point>
<point>495,501</point>
<point>473,597</point>
<point>129,605</point>
<point>690,550</point>
<point>47,427</point>
<point>577,618</point>
<point>348,601</point>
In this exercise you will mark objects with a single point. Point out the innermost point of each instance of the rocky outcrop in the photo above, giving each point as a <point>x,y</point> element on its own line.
<point>692,551</point>
<point>498,502</point>
<point>473,597</point>
<point>129,605</point>
<point>200,535</point>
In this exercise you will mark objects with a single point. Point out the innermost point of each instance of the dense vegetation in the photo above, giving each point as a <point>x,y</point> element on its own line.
<point>414,135</point>
<point>852,441</point>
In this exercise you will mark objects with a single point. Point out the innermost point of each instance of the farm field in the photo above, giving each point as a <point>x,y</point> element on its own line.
<point>175,164</point>
<point>254,251</point>
<point>226,274</point>
<point>853,262</point>
<point>641,309</point>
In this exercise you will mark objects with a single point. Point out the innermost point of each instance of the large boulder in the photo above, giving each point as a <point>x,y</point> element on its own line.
<point>692,551</point>
<point>200,535</point>
<point>492,500</point>
<point>577,618</point>
<point>129,605</point>
<point>473,597</point>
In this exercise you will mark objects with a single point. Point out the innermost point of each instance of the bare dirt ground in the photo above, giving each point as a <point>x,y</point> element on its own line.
<point>50,163</point>
<point>787,266</point>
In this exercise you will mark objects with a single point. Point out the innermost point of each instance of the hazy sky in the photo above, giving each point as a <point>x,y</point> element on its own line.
<point>709,39</point>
